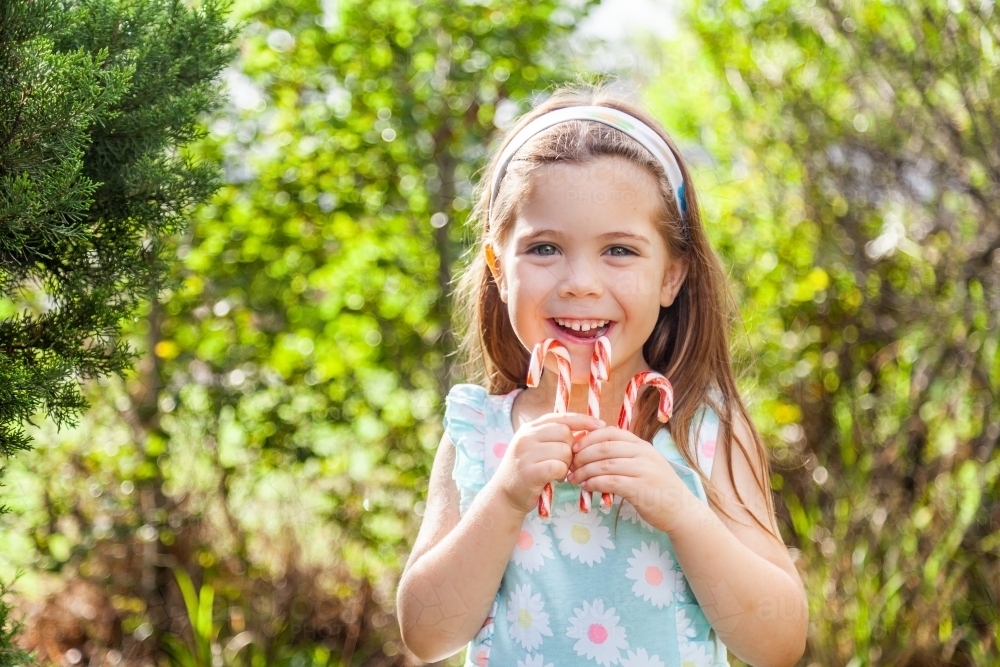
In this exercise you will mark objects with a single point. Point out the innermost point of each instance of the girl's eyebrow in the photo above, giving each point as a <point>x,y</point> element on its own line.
<point>631,236</point>
<point>539,233</point>
<point>608,236</point>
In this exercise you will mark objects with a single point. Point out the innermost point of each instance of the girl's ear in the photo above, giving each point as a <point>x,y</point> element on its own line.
<point>672,280</point>
<point>494,266</point>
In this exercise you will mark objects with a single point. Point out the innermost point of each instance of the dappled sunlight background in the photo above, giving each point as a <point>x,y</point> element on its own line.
<point>274,442</point>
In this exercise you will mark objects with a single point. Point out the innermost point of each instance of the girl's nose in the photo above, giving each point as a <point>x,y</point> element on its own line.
<point>581,279</point>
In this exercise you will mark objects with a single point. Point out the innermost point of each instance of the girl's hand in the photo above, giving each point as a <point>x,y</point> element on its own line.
<point>612,460</point>
<point>540,452</point>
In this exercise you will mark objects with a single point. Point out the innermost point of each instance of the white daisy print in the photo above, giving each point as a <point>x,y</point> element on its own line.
<point>695,654</point>
<point>581,536</point>
<point>533,544</point>
<point>597,633</point>
<point>526,620</point>
<point>495,446</point>
<point>629,512</point>
<point>653,573</point>
<point>641,659</point>
<point>533,661</point>
<point>685,626</point>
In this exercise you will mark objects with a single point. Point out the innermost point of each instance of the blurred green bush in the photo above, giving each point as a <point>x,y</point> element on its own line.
<point>852,187</point>
<point>276,440</point>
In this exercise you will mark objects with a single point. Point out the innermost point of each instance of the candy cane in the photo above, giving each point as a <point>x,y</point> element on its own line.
<point>666,406</point>
<point>600,371</point>
<point>563,364</point>
<point>565,370</point>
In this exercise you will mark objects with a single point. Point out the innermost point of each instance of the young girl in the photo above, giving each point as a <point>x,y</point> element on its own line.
<point>589,227</point>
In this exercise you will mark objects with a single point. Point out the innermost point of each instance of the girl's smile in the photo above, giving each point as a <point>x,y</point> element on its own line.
<point>585,258</point>
<point>569,330</point>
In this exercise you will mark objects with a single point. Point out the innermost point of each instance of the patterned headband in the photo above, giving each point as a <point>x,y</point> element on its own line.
<point>619,120</point>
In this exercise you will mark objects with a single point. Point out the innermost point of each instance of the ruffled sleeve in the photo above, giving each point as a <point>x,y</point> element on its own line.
<point>465,424</point>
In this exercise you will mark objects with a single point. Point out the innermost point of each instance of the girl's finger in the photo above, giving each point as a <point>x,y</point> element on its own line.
<point>613,484</point>
<point>558,470</point>
<point>555,432</point>
<point>574,420</point>
<point>604,434</point>
<point>620,467</point>
<point>558,430</point>
<point>551,450</point>
<point>608,449</point>
<point>551,432</point>
<point>599,451</point>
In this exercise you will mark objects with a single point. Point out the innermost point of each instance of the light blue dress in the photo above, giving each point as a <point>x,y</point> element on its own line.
<point>580,589</point>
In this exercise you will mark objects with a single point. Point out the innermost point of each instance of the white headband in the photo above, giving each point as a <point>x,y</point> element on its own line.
<point>619,120</point>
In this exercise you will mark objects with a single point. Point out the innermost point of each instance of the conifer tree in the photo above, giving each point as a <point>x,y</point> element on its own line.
<point>98,99</point>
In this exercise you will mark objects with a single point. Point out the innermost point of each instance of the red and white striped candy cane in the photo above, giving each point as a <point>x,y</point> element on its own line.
<point>565,370</point>
<point>653,378</point>
<point>600,371</point>
<point>563,365</point>
<point>666,406</point>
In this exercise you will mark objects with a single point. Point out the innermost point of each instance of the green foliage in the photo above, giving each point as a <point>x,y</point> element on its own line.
<point>280,429</point>
<point>96,96</point>
<point>10,628</point>
<point>10,653</point>
<point>853,191</point>
<point>208,649</point>
<point>314,317</point>
<point>202,652</point>
<point>200,607</point>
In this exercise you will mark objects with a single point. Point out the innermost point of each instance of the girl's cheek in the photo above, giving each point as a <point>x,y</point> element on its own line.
<point>638,284</point>
<point>625,283</point>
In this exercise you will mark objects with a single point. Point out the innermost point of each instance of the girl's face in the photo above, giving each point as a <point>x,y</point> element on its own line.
<point>585,259</point>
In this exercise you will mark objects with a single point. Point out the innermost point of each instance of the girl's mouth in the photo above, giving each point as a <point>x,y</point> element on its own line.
<point>582,331</point>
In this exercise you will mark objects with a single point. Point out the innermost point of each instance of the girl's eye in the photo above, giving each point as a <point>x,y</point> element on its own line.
<point>543,249</point>
<point>620,251</point>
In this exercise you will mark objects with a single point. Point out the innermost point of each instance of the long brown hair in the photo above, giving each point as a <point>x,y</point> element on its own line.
<point>689,343</point>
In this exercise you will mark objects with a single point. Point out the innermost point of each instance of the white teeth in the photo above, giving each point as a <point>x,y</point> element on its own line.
<point>581,325</point>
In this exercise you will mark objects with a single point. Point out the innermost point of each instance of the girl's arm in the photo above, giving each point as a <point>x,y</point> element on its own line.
<point>454,571</point>
<point>741,574</point>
